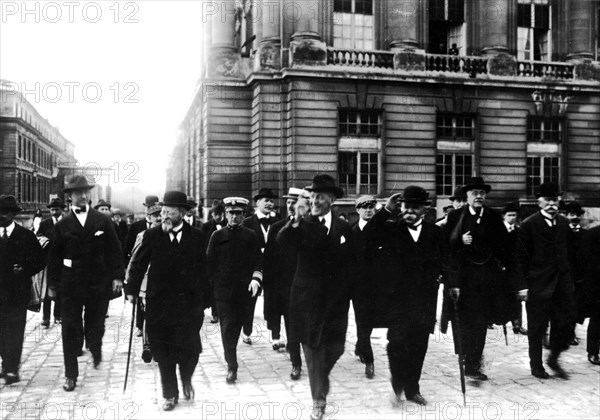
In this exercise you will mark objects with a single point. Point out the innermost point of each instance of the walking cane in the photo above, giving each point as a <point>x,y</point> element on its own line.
<point>461,365</point>
<point>133,305</point>
<point>505,335</point>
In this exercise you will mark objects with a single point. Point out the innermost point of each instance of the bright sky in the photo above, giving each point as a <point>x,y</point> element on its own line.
<point>146,51</point>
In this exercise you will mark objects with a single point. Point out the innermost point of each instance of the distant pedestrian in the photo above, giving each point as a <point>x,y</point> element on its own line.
<point>216,222</point>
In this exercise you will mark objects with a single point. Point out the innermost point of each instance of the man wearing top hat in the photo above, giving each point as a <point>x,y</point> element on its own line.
<point>362,292</point>
<point>544,280</point>
<point>235,271</point>
<point>174,255</point>
<point>20,258</point>
<point>217,221</point>
<point>476,266</point>
<point>85,268</point>
<point>406,255</point>
<point>103,207</point>
<point>56,206</point>
<point>320,296</point>
<point>260,223</point>
<point>279,269</point>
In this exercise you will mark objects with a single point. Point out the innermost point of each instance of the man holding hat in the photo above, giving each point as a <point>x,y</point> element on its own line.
<point>56,206</point>
<point>20,258</point>
<point>85,268</point>
<point>362,291</point>
<point>320,296</point>
<point>103,207</point>
<point>235,271</point>
<point>174,256</point>
<point>406,253</point>
<point>545,281</point>
<point>476,266</point>
<point>279,269</point>
<point>260,222</point>
<point>217,221</point>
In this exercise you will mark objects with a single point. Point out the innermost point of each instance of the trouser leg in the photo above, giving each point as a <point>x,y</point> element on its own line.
<point>593,335</point>
<point>72,334</point>
<point>94,318</point>
<point>12,331</point>
<point>46,308</point>
<point>538,314</point>
<point>231,327</point>
<point>292,346</point>
<point>248,319</point>
<point>363,343</point>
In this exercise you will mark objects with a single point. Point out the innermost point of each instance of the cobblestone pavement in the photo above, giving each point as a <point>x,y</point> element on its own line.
<point>264,389</point>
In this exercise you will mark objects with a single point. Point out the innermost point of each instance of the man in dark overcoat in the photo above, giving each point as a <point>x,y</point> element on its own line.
<point>56,207</point>
<point>407,254</point>
<point>591,291</point>
<point>20,258</point>
<point>176,294</point>
<point>85,268</point>
<point>320,297</point>
<point>260,223</point>
<point>217,221</point>
<point>191,216</point>
<point>279,270</point>
<point>544,280</point>
<point>475,278</point>
<point>363,300</point>
<point>235,270</point>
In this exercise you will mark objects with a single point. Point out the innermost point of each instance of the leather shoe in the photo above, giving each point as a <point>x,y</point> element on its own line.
<point>70,384</point>
<point>188,391</point>
<point>594,359</point>
<point>417,398</point>
<point>246,339</point>
<point>540,373</point>
<point>97,356</point>
<point>147,354</point>
<point>57,320</point>
<point>11,378</point>
<point>318,412</point>
<point>139,333</point>
<point>2,373</point>
<point>231,376</point>
<point>296,373</point>
<point>169,404</point>
<point>45,323</point>
<point>520,330</point>
<point>214,320</point>
<point>477,375</point>
<point>370,370</point>
<point>574,341</point>
<point>557,368</point>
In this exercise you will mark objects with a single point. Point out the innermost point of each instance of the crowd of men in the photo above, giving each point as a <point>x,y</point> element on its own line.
<point>309,264</point>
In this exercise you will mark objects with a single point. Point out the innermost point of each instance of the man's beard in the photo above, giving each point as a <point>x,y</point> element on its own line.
<point>167,226</point>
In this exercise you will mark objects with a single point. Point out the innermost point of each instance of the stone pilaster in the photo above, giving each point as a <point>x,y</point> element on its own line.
<point>494,20</point>
<point>224,59</point>
<point>306,46</point>
<point>581,38</point>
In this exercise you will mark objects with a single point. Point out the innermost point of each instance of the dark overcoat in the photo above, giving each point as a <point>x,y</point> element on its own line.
<point>177,291</point>
<point>132,233</point>
<point>320,295</point>
<point>590,303</point>
<point>84,260</point>
<point>211,226</point>
<point>253,223</point>
<point>364,299</point>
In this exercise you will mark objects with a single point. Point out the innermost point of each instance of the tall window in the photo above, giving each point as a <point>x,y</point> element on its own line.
<point>534,30</point>
<point>359,151</point>
<point>541,169</point>
<point>544,136</point>
<point>544,130</point>
<point>447,27</point>
<point>454,160</point>
<point>353,24</point>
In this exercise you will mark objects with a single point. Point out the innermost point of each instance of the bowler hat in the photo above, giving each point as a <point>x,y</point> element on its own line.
<point>56,202</point>
<point>476,183</point>
<point>364,201</point>
<point>325,183</point>
<point>575,208</point>
<point>77,182</point>
<point>415,194</point>
<point>458,194</point>
<point>217,207</point>
<point>102,203</point>
<point>235,203</point>
<point>8,204</point>
<point>265,193</point>
<point>510,206</point>
<point>150,200</point>
<point>175,199</point>
<point>191,201</point>
<point>548,189</point>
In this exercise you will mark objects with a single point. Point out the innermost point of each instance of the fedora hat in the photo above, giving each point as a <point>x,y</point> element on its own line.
<point>8,204</point>
<point>235,203</point>
<point>56,202</point>
<point>575,208</point>
<point>510,206</point>
<point>150,200</point>
<point>476,183</point>
<point>458,194</point>
<point>175,199</point>
<point>102,203</point>
<point>548,189</point>
<point>265,193</point>
<point>415,194</point>
<point>191,201</point>
<point>217,207</point>
<point>325,183</point>
<point>77,182</point>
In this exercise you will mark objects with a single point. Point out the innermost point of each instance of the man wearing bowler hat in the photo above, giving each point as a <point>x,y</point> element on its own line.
<point>191,217</point>
<point>320,296</point>
<point>235,271</point>
<point>545,281</point>
<point>85,268</point>
<point>20,258</point>
<point>458,200</point>
<point>407,254</point>
<point>56,206</point>
<point>476,266</point>
<point>176,294</point>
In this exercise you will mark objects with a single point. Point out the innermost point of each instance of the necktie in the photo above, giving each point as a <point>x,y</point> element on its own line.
<point>175,241</point>
<point>413,227</point>
<point>551,220</point>
<point>81,209</point>
<point>265,222</point>
<point>5,235</point>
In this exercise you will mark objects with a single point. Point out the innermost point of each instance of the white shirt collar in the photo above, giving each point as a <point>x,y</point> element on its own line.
<point>362,223</point>
<point>509,227</point>
<point>327,218</point>
<point>82,217</point>
<point>9,229</point>
<point>416,233</point>
<point>177,228</point>
<point>261,215</point>
<point>55,220</point>
<point>473,212</point>
<point>550,221</point>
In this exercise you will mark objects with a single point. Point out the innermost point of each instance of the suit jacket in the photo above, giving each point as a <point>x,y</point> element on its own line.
<point>233,256</point>
<point>46,228</point>
<point>211,226</point>
<point>253,223</point>
<point>177,291</point>
<point>363,289</point>
<point>590,303</point>
<point>320,296</point>
<point>134,229</point>
<point>84,260</point>
<point>121,229</point>
<point>24,249</point>
<point>405,274</point>
<point>542,257</point>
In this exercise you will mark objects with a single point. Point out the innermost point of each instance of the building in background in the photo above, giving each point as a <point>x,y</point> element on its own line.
<point>33,153</point>
<point>382,94</point>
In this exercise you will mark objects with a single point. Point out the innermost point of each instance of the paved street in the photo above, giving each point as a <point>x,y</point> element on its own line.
<point>264,390</point>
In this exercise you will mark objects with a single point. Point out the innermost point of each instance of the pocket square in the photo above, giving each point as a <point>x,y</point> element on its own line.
<point>342,240</point>
<point>100,232</point>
